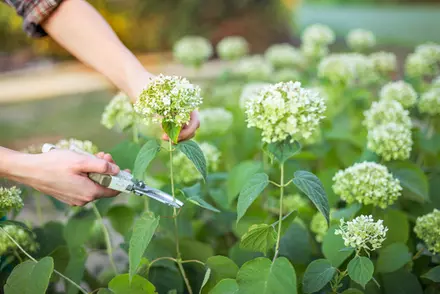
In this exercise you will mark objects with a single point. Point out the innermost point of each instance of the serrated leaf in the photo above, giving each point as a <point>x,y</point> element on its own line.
<point>317,275</point>
<point>259,238</point>
<point>192,150</point>
<point>121,218</point>
<point>393,257</point>
<point>310,185</point>
<point>143,231</point>
<point>262,276</point>
<point>412,179</point>
<point>79,228</point>
<point>147,153</point>
<point>172,130</point>
<point>75,267</point>
<point>193,195</point>
<point>30,277</point>
<point>283,150</point>
<point>331,248</point>
<point>138,285</point>
<point>221,268</point>
<point>125,154</point>
<point>360,269</point>
<point>251,190</point>
<point>228,286</point>
<point>433,274</point>
<point>398,226</point>
<point>240,175</point>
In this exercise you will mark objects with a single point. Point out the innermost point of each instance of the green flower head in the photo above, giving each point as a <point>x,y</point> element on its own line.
<point>429,102</point>
<point>318,34</point>
<point>384,62</point>
<point>284,55</point>
<point>360,40</point>
<point>10,199</point>
<point>384,112</point>
<point>391,141</point>
<point>427,228</point>
<point>192,50</point>
<point>23,237</point>
<point>73,144</point>
<point>401,92</point>
<point>232,48</point>
<point>118,113</point>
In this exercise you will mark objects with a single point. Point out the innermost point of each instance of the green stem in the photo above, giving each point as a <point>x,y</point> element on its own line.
<point>38,208</point>
<point>277,247</point>
<point>417,255</point>
<point>20,260</point>
<point>108,243</point>
<point>135,134</point>
<point>193,261</point>
<point>34,260</point>
<point>338,279</point>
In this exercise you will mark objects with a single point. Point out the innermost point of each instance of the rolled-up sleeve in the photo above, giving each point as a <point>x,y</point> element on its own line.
<point>34,12</point>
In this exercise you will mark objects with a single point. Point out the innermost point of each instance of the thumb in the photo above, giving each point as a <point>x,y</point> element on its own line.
<point>96,165</point>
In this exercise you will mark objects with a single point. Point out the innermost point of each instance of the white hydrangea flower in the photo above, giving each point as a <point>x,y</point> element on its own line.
<point>312,51</point>
<point>192,50</point>
<point>390,141</point>
<point>286,75</point>
<point>384,62</point>
<point>254,68</point>
<point>168,99</point>
<point>284,55</point>
<point>367,183</point>
<point>214,121</point>
<point>360,39</point>
<point>285,109</point>
<point>23,237</point>
<point>429,51</point>
<point>118,113</point>
<point>186,172</point>
<point>318,34</point>
<point>232,48</point>
<point>429,102</point>
<point>417,66</point>
<point>10,199</point>
<point>400,91</point>
<point>363,233</point>
<point>251,91</point>
<point>72,144</point>
<point>319,226</point>
<point>386,111</point>
<point>427,228</point>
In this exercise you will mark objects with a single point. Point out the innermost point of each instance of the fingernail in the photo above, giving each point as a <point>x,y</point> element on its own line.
<point>115,168</point>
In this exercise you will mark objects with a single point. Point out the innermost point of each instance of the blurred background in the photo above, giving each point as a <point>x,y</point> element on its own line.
<point>45,95</point>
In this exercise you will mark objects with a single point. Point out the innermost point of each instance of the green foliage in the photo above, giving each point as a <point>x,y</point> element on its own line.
<point>123,284</point>
<point>317,275</point>
<point>360,269</point>
<point>172,130</point>
<point>250,191</point>
<point>194,196</point>
<point>393,257</point>
<point>192,150</point>
<point>259,238</point>
<point>433,274</point>
<point>221,268</point>
<point>412,179</point>
<point>283,150</point>
<point>225,286</point>
<point>240,175</point>
<point>147,153</point>
<point>332,246</point>
<point>121,218</point>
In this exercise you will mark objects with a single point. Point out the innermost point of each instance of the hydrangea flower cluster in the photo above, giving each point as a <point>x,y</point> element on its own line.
<point>168,99</point>
<point>118,113</point>
<point>360,40</point>
<point>429,51</point>
<point>384,63</point>
<point>285,109</point>
<point>417,66</point>
<point>314,51</point>
<point>386,111</point>
<point>286,75</point>
<point>192,50</point>
<point>399,91</point>
<point>391,141</point>
<point>10,199</point>
<point>363,233</point>
<point>214,121</point>
<point>72,144</point>
<point>429,102</point>
<point>427,228</point>
<point>232,48</point>
<point>284,55</point>
<point>318,34</point>
<point>24,238</point>
<point>295,202</point>
<point>254,68</point>
<point>251,91</point>
<point>319,226</point>
<point>186,172</point>
<point>367,183</point>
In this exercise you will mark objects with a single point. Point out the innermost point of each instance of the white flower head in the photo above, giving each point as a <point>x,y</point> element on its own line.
<point>367,183</point>
<point>400,91</point>
<point>312,51</point>
<point>284,55</point>
<point>118,113</point>
<point>384,112</point>
<point>254,68</point>
<point>427,228</point>
<point>391,141</point>
<point>318,34</point>
<point>363,233</point>
<point>417,66</point>
<point>74,144</point>
<point>25,238</point>
<point>286,75</point>
<point>214,121</point>
<point>429,51</point>
<point>251,91</point>
<point>232,48</point>
<point>360,40</point>
<point>429,102</point>
<point>192,50</point>
<point>168,99</point>
<point>285,110</point>
<point>10,199</point>
<point>384,62</point>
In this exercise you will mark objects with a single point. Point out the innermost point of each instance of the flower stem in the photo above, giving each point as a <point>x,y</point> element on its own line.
<point>277,247</point>
<point>38,208</point>
<point>108,243</point>
<point>418,254</point>
<point>34,260</point>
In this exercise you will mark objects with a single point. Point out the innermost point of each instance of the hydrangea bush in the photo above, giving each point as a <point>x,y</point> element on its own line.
<point>316,172</point>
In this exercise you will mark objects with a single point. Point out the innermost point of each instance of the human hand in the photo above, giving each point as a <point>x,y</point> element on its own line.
<point>189,130</point>
<point>63,175</point>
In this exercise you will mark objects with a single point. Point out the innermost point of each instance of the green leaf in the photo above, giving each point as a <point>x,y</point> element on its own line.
<point>286,221</point>
<point>352,291</point>
<point>30,277</point>
<point>283,150</point>
<point>105,291</point>
<point>360,269</point>
<point>331,246</point>
<point>143,231</point>
<point>295,244</point>
<point>264,277</point>
<point>346,213</point>
<point>147,153</point>
<point>172,130</point>
<point>240,175</point>
<point>228,286</point>
<point>221,268</point>
<point>317,275</point>
<point>138,285</point>
<point>398,226</point>
<point>192,150</point>
<point>192,249</point>
<point>165,279</point>
<point>250,191</point>
<point>205,279</point>
<point>193,195</point>
<point>125,154</point>
<point>402,282</point>
<point>310,185</point>
<point>75,267</point>
<point>412,179</point>
<point>433,274</point>
<point>122,218</point>
<point>393,257</point>
<point>259,238</point>
<point>79,228</point>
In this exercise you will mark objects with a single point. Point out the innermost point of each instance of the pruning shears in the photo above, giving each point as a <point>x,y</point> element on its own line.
<point>123,182</point>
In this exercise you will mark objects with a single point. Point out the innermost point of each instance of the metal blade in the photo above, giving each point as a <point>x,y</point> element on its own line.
<point>158,195</point>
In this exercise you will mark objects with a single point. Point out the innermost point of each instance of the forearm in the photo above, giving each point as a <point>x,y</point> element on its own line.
<point>81,30</point>
<point>11,164</point>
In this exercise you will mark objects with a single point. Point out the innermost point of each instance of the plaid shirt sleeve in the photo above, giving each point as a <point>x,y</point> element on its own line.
<point>34,12</point>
